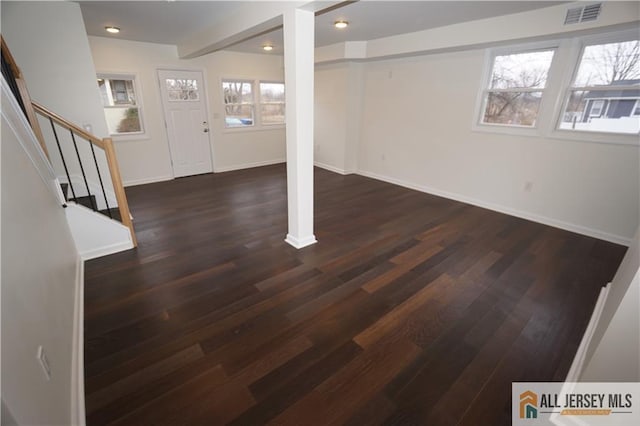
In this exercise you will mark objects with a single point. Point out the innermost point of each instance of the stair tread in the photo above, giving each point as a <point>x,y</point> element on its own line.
<point>115,214</point>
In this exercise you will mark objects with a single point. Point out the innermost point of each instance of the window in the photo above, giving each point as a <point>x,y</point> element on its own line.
<point>238,103</point>
<point>515,88</point>
<point>240,110</point>
<point>604,93</point>
<point>182,89</point>
<point>581,88</point>
<point>272,103</point>
<point>596,108</point>
<point>121,107</point>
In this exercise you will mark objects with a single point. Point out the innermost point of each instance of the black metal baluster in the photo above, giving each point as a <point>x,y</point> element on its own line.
<point>64,163</point>
<point>84,176</point>
<point>95,160</point>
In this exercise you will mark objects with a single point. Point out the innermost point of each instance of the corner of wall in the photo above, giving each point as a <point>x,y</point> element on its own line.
<point>78,416</point>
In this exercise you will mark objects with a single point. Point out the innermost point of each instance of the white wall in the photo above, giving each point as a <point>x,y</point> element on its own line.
<point>49,43</point>
<point>418,116</point>
<point>240,148</point>
<point>338,115</point>
<point>330,121</point>
<point>39,264</point>
<point>148,159</point>
<point>417,125</point>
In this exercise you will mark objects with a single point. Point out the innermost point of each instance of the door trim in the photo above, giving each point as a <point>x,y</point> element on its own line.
<point>207,103</point>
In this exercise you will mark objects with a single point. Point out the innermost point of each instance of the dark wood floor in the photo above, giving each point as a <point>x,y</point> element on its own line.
<point>411,309</point>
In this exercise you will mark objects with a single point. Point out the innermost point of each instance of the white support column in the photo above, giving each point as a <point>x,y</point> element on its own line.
<point>298,72</point>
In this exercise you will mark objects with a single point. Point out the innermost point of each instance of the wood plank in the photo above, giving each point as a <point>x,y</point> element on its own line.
<point>213,319</point>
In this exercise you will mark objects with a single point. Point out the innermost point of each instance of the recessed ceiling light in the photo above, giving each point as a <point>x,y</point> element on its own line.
<point>112,30</point>
<point>267,47</point>
<point>341,24</point>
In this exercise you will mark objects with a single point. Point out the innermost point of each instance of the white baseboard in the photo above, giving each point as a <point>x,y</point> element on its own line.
<point>300,242</point>
<point>77,357</point>
<point>332,168</point>
<point>106,250</point>
<point>248,165</point>
<point>578,361</point>
<point>579,229</point>
<point>144,181</point>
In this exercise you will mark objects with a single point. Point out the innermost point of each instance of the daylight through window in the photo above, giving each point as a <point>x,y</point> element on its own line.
<point>272,103</point>
<point>515,88</point>
<point>121,109</point>
<point>606,90</point>
<point>238,103</point>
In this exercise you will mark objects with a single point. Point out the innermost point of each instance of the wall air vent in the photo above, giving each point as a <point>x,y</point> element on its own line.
<point>588,13</point>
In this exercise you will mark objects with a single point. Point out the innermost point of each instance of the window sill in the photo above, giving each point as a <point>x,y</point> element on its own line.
<point>126,138</point>
<point>560,134</point>
<point>596,137</point>
<point>230,130</point>
<point>506,129</point>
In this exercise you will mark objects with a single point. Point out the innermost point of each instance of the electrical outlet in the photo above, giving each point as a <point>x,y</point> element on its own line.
<point>88,128</point>
<point>44,362</point>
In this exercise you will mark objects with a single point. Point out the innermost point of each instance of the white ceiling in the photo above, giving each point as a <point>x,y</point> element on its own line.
<point>165,22</point>
<point>170,22</point>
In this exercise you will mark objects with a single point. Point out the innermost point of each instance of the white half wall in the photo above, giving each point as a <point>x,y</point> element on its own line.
<point>94,234</point>
<point>148,159</point>
<point>617,356</point>
<point>613,353</point>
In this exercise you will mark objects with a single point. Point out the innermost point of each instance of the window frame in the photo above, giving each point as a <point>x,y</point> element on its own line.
<point>600,103</point>
<point>564,67</point>
<point>575,50</point>
<point>251,126</point>
<point>488,90</point>
<point>485,89</point>
<point>258,125</point>
<point>260,103</point>
<point>137,88</point>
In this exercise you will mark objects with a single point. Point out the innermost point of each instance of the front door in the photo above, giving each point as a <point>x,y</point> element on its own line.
<point>185,114</point>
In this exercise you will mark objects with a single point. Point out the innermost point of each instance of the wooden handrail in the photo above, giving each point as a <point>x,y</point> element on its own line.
<point>24,95</point>
<point>62,122</point>
<point>107,145</point>
<point>118,187</point>
<point>9,58</point>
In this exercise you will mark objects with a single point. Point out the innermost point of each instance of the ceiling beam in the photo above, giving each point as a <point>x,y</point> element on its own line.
<point>253,19</point>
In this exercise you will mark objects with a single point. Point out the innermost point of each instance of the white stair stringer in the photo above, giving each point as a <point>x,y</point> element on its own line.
<point>96,235</point>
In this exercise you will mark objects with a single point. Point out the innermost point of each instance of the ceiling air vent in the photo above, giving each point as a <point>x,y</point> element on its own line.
<point>583,14</point>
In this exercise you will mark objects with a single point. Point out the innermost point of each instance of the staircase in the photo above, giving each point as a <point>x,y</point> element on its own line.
<point>86,166</point>
<point>91,202</point>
